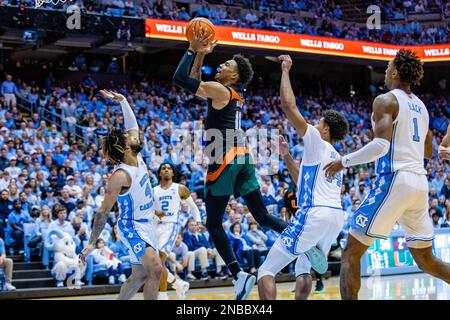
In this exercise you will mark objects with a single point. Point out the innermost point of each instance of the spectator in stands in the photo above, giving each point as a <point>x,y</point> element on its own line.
<point>73,189</point>
<point>362,191</point>
<point>103,254</point>
<point>124,32</point>
<point>66,200</point>
<point>16,220</point>
<point>200,248</point>
<point>178,259</point>
<point>5,209</point>
<point>258,239</point>
<point>113,67</point>
<point>41,225</point>
<point>8,265</point>
<point>13,170</point>
<point>61,223</point>
<point>9,90</point>
<point>242,249</point>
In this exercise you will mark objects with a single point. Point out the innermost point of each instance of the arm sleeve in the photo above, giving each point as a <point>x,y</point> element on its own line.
<point>181,76</point>
<point>314,145</point>
<point>128,116</point>
<point>372,151</point>
<point>194,210</point>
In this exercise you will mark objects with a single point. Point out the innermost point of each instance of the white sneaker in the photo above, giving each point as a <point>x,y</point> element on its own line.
<point>163,296</point>
<point>9,287</point>
<point>190,276</point>
<point>122,278</point>
<point>111,280</point>
<point>181,288</point>
<point>59,284</point>
<point>79,283</point>
<point>243,285</point>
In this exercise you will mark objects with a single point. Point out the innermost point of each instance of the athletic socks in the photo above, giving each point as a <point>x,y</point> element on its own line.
<point>234,269</point>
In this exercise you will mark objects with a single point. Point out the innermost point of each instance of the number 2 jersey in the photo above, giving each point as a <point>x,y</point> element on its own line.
<point>169,201</point>
<point>410,128</point>
<point>313,188</point>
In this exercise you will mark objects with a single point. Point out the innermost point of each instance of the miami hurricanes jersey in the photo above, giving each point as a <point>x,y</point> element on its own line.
<point>313,188</point>
<point>137,203</point>
<point>410,128</point>
<point>169,201</point>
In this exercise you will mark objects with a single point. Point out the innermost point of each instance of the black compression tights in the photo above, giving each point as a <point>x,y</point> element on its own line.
<point>215,209</point>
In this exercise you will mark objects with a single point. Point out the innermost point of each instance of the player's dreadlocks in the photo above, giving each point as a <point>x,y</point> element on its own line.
<point>244,68</point>
<point>114,146</point>
<point>409,66</point>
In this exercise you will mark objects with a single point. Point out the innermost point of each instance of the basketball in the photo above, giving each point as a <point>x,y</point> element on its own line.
<point>196,24</point>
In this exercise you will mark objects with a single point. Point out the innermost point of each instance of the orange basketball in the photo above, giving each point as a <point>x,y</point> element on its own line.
<point>195,25</point>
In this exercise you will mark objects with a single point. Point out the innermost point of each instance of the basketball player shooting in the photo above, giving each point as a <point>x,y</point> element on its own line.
<point>129,185</point>
<point>400,194</point>
<point>230,172</point>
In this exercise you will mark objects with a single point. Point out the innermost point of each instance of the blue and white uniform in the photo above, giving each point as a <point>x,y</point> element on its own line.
<point>320,217</point>
<point>168,227</point>
<point>400,192</point>
<point>136,212</point>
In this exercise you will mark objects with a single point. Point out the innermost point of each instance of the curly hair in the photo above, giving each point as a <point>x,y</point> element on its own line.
<point>338,124</point>
<point>114,145</point>
<point>175,173</point>
<point>409,66</point>
<point>245,69</point>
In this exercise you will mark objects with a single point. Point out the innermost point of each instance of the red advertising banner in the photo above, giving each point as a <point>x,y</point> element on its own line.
<point>255,38</point>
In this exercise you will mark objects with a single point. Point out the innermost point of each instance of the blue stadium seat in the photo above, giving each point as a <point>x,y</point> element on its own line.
<point>94,269</point>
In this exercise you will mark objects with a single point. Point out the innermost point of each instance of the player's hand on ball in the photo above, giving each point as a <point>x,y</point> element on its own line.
<point>201,228</point>
<point>286,62</point>
<point>333,168</point>
<point>112,95</point>
<point>284,147</point>
<point>201,43</point>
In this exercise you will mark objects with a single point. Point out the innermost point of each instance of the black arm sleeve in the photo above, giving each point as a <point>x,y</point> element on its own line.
<point>181,76</point>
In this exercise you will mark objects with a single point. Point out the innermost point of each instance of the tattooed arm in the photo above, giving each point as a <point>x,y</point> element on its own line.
<point>119,179</point>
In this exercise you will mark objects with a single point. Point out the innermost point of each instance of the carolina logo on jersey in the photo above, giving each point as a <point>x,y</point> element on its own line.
<point>137,248</point>
<point>287,241</point>
<point>361,220</point>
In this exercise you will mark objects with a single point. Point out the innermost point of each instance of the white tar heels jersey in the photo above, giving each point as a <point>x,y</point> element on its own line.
<point>137,203</point>
<point>169,201</point>
<point>313,188</point>
<point>406,152</point>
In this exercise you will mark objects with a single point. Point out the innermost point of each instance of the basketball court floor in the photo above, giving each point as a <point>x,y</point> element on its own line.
<point>416,286</point>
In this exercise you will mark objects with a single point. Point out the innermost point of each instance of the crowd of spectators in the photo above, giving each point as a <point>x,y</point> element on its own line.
<point>327,20</point>
<point>52,172</point>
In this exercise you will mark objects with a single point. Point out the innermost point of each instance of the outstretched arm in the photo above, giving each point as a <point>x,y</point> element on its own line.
<point>287,158</point>
<point>288,98</point>
<point>190,78</point>
<point>118,180</point>
<point>185,194</point>
<point>130,122</point>
<point>383,110</point>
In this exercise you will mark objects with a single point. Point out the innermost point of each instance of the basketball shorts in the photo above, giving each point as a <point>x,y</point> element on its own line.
<point>237,178</point>
<point>137,236</point>
<point>396,197</point>
<point>166,234</point>
<point>314,226</point>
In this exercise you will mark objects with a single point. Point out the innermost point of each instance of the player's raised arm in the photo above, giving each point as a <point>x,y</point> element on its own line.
<point>288,98</point>
<point>196,70</point>
<point>383,110</point>
<point>115,184</point>
<point>129,118</point>
<point>191,80</point>
<point>287,158</point>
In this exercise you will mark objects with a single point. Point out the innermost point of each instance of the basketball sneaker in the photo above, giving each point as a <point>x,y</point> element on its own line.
<point>319,261</point>
<point>163,296</point>
<point>243,285</point>
<point>181,287</point>
<point>319,287</point>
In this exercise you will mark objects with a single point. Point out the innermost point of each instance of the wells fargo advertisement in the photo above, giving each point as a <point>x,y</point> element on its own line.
<point>174,30</point>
